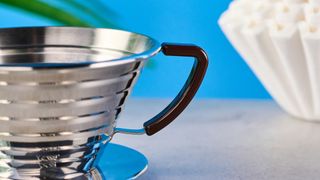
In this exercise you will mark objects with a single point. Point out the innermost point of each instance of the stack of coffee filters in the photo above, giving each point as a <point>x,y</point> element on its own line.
<point>280,41</point>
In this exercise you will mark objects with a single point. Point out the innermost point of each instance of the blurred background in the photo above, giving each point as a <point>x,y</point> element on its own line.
<point>187,21</point>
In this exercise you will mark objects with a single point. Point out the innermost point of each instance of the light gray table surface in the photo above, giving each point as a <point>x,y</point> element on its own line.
<point>225,139</point>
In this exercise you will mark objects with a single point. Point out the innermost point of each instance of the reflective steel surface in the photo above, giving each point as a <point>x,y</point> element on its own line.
<point>113,163</point>
<point>61,91</point>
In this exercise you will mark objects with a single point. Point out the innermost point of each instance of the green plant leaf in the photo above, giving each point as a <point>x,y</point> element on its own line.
<point>40,8</point>
<point>79,6</point>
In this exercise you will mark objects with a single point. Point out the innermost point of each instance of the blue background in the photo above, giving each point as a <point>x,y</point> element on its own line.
<point>185,21</point>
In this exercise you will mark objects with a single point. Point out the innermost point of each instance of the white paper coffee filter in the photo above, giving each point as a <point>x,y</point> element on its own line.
<point>285,37</point>
<point>236,34</point>
<point>280,41</point>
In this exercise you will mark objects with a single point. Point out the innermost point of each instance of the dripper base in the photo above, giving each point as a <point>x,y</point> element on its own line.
<point>119,162</point>
<point>115,162</point>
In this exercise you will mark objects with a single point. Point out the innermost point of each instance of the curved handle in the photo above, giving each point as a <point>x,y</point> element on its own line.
<point>181,101</point>
<point>166,116</point>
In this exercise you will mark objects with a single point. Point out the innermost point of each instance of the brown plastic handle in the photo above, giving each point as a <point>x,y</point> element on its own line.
<point>173,110</point>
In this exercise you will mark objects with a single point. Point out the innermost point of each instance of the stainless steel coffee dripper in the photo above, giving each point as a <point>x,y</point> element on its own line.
<point>61,90</point>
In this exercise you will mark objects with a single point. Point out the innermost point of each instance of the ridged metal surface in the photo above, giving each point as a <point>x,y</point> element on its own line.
<point>53,121</point>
